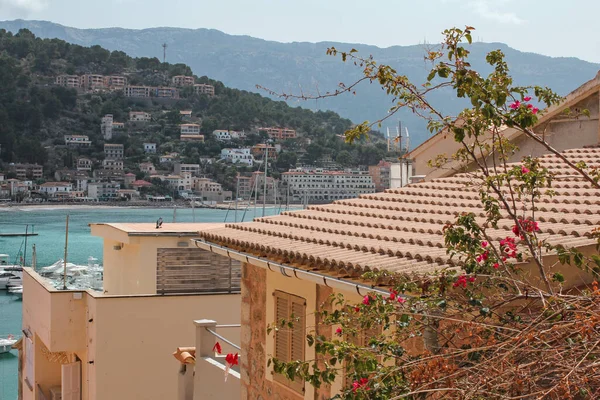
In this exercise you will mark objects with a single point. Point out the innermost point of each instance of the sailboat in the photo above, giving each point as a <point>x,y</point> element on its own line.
<point>7,343</point>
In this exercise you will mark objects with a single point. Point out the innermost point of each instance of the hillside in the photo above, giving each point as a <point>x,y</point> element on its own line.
<point>36,113</point>
<point>243,62</point>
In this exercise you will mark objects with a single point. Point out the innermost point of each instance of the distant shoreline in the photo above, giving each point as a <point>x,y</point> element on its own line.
<point>11,207</point>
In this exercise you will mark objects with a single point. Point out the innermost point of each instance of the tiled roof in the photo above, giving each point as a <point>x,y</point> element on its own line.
<point>400,230</point>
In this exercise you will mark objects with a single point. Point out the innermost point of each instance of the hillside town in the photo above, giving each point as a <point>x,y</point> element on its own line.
<point>159,174</point>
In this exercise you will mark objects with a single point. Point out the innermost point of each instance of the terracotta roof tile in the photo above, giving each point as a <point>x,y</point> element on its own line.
<point>401,230</point>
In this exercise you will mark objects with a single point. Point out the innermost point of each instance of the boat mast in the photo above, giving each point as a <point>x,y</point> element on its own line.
<point>237,189</point>
<point>65,259</point>
<point>265,185</point>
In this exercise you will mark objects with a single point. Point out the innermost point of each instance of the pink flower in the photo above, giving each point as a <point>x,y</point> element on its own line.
<point>524,170</point>
<point>485,255</point>
<point>357,309</point>
<point>530,106</point>
<point>338,331</point>
<point>362,384</point>
<point>484,244</point>
<point>471,279</point>
<point>478,258</point>
<point>515,105</point>
<point>527,98</point>
<point>366,300</point>
<point>461,281</point>
<point>393,294</point>
<point>401,300</point>
<point>535,110</point>
<point>496,266</point>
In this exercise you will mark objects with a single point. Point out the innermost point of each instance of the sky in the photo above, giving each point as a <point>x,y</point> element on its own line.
<point>551,27</point>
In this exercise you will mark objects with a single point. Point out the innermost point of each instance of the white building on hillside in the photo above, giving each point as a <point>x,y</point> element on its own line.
<point>242,156</point>
<point>149,147</point>
<point>325,186</point>
<point>106,126</point>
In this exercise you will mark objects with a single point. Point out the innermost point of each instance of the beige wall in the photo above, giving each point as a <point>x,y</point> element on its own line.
<point>136,336</point>
<point>561,132</point>
<point>129,340</point>
<point>132,269</point>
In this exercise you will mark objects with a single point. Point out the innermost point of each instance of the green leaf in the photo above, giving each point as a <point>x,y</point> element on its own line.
<point>558,277</point>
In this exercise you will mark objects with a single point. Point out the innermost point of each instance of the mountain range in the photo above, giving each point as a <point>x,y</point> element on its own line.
<point>244,62</point>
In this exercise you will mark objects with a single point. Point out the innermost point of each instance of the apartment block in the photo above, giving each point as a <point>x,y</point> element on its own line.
<point>210,190</point>
<point>260,150</point>
<point>318,186</point>
<point>244,187</point>
<point>183,80</point>
<point>193,169</point>
<point>115,81</point>
<point>27,171</point>
<point>92,81</point>
<point>137,91</point>
<point>77,140</point>
<point>189,129</point>
<point>165,92</point>
<point>279,133</point>
<point>103,190</point>
<point>202,88</point>
<point>55,189</point>
<point>380,174</point>
<point>242,156</point>
<point>71,81</point>
<point>113,151</point>
<point>106,126</point>
<point>84,164</point>
<point>112,165</point>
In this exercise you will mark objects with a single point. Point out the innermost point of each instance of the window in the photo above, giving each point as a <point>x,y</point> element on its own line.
<point>290,342</point>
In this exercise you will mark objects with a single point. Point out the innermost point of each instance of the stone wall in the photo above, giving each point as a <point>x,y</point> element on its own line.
<point>253,363</point>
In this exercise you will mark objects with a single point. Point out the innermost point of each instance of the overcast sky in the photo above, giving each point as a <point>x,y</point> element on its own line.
<point>550,27</point>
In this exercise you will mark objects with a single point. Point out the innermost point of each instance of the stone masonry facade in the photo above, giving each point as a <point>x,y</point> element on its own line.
<point>253,361</point>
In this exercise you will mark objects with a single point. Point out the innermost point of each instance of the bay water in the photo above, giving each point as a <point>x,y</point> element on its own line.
<point>49,224</point>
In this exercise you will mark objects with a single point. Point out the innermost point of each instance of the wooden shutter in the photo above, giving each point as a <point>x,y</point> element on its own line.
<point>71,381</point>
<point>282,339</point>
<point>290,342</point>
<point>190,270</point>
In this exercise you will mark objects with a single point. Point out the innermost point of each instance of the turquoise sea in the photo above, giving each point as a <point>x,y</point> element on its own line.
<point>49,223</point>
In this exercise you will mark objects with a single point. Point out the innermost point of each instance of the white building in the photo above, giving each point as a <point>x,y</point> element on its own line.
<point>53,189</point>
<point>139,116</point>
<point>190,129</point>
<point>106,127</point>
<point>103,190</point>
<point>167,158</point>
<point>77,140</point>
<point>222,135</point>
<point>84,164</point>
<point>149,147</point>
<point>242,156</point>
<point>325,186</point>
<point>401,174</point>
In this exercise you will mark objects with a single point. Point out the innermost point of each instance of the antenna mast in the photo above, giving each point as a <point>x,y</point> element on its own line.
<point>400,135</point>
<point>164,46</point>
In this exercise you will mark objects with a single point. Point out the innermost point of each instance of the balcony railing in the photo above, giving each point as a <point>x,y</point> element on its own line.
<point>209,375</point>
